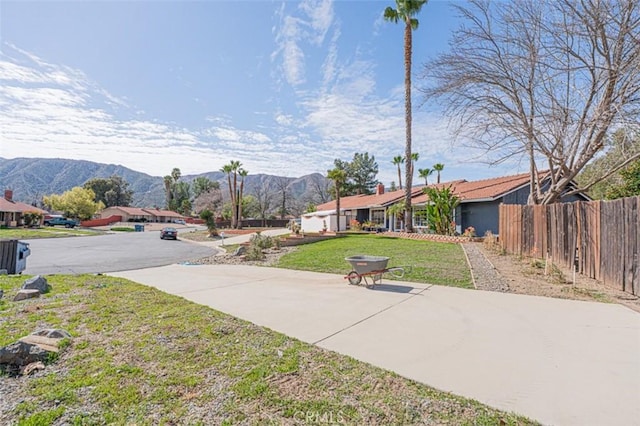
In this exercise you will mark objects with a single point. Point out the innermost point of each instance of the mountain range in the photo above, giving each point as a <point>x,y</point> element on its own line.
<point>32,178</point>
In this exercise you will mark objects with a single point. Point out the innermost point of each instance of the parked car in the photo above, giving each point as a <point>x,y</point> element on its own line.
<point>169,233</point>
<point>180,221</point>
<point>67,223</point>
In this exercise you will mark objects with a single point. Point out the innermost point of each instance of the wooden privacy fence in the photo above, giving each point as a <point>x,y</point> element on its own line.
<point>599,238</point>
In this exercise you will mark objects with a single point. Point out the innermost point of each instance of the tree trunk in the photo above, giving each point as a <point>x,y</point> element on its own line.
<point>239,224</point>
<point>234,202</point>
<point>231,197</point>
<point>408,220</point>
<point>338,207</point>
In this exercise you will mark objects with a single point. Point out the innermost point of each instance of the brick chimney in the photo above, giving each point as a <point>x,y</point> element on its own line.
<point>379,189</point>
<point>8,195</point>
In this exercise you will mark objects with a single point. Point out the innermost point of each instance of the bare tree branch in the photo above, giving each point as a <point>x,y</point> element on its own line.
<point>547,79</point>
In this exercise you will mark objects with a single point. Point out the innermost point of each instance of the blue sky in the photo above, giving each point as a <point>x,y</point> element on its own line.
<point>284,87</point>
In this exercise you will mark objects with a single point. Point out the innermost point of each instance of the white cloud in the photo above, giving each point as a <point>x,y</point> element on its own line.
<point>320,17</point>
<point>310,25</point>
<point>329,67</point>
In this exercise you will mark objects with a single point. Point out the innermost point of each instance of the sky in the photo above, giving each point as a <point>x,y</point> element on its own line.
<point>283,87</point>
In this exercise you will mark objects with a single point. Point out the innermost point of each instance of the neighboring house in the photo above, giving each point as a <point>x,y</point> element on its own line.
<point>366,208</point>
<point>479,201</point>
<point>11,212</point>
<point>136,214</point>
<point>323,220</point>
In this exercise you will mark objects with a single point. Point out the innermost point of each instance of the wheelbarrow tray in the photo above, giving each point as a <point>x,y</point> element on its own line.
<point>363,264</point>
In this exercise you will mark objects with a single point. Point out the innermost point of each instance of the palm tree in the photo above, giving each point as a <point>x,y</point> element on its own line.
<point>414,160</point>
<point>397,160</point>
<point>235,166</point>
<point>243,174</point>
<point>405,11</point>
<point>395,211</point>
<point>227,169</point>
<point>438,167</point>
<point>339,177</point>
<point>425,173</point>
<point>168,190</point>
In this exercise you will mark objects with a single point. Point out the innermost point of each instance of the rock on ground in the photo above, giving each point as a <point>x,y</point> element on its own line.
<point>26,294</point>
<point>22,353</point>
<point>36,283</point>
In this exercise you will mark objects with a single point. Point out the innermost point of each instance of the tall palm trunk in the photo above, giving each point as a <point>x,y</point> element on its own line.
<point>407,115</point>
<point>231,196</point>
<point>240,203</point>
<point>338,206</point>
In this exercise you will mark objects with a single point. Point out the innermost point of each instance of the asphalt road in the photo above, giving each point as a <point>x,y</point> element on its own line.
<point>108,253</point>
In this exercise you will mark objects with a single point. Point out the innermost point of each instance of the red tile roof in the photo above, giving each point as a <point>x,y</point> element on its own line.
<point>164,213</point>
<point>486,189</point>
<point>136,211</point>
<point>367,201</point>
<point>131,211</point>
<point>16,206</point>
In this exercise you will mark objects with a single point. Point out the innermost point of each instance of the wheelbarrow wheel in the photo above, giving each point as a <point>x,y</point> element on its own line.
<point>354,278</point>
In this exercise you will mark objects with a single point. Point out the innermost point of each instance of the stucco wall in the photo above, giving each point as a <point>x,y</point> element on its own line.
<point>483,216</point>
<point>112,211</point>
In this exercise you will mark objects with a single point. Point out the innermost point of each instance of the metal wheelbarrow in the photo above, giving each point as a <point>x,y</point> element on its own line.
<point>370,266</point>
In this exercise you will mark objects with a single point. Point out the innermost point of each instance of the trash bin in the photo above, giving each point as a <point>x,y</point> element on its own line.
<point>13,256</point>
<point>139,228</point>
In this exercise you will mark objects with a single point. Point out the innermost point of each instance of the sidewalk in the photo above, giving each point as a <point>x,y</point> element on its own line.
<point>560,362</point>
<point>239,239</point>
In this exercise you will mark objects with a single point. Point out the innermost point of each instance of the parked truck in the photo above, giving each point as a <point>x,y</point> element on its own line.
<point>60,221</point>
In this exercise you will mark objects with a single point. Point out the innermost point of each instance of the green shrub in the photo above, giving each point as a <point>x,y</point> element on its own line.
<point>264,241</point>
<point>254,252</point>
<point>258,243</point>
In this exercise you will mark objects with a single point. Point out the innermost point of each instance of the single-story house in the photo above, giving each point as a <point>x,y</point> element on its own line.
<point>11,212</point>
<point>323,220</point>
<point>365,208</point>
<point>479,203</point>
<point>136,214</point>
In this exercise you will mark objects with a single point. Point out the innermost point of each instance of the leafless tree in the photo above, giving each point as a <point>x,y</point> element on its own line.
<point>282,186</point>
<point>321,189</point>
<point>209,200</point>
<point>541,80</point>
<point>264,197</point>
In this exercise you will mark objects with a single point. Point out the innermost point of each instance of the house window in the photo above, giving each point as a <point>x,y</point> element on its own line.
<point>377,217</point>
<point>420,218</point>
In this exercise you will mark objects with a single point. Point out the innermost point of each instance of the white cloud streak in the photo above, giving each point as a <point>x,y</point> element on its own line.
<point>294,32</point>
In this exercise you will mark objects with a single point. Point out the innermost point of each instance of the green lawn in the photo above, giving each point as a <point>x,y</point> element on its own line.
<point>141,356</point>
<point>430,262</point>
<point>48,232</point>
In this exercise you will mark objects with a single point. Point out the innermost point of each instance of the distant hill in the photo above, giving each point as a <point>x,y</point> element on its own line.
<point>32,178</point>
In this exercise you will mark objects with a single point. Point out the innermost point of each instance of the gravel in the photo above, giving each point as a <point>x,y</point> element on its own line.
<point>485,275</point>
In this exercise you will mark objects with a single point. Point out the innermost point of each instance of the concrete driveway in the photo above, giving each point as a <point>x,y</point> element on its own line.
<point>557,361</point>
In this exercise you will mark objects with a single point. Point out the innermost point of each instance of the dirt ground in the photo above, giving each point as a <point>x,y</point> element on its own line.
<point>527,276</point>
